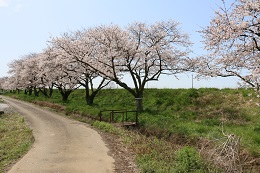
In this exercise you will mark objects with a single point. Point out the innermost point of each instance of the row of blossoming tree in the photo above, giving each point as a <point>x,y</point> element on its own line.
<point>143,52</point>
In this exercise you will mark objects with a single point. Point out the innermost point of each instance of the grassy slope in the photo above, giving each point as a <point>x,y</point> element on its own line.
<point>15,139</point>
<point>181,116</point>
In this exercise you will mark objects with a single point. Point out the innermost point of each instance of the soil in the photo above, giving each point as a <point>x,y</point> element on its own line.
<point>124,158</point>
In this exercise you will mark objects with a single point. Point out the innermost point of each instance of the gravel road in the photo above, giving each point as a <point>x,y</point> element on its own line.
<point>61,145</point>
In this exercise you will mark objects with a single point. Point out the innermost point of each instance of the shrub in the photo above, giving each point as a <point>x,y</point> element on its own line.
<point>188,160</point>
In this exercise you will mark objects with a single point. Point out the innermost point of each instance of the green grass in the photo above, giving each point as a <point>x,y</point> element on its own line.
<point>176,117</point>
<point>15,139</point>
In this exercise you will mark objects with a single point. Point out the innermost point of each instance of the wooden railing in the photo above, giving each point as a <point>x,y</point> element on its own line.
<point>124,116</point>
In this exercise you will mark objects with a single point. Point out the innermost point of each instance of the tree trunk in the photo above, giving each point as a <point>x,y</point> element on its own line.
<point>46,92</point>
<point>90,100</point>
<point>36,92</point>
<point>90,97</point>
<point>65,94</point>
<point>90,91</point>
<point>30,91</point>
<point>137,93</point>
<point>87,95</point>
<point>51,91</point>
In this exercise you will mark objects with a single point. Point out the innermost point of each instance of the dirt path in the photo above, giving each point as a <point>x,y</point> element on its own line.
<point>61,145</point>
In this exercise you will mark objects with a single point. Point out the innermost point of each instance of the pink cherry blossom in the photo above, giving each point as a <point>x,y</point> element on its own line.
<point>233,43</point>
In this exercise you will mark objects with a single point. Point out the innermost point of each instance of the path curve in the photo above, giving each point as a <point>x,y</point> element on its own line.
<point>61,145</point>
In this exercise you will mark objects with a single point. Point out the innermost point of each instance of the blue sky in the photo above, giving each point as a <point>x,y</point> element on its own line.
<point>26,25</point>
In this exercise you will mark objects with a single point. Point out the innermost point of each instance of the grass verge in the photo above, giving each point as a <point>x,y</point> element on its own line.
<point>15,139</point>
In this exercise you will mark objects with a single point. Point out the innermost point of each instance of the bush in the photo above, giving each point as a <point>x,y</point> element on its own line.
<point>188,160</point>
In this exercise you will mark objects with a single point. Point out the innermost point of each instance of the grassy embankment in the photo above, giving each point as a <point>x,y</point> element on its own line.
<point>175,118</point>
<point>15,138</point>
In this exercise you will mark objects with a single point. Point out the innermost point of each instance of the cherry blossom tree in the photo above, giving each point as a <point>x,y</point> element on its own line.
<point>2,83</point>
<point>2,79</point>
<point>78,49</point>
<point>14,71</point>
<point>29,73</point>
<point>143,51</point>
<point>45,76</point>
<point>61,71</point>
<point>15,81</point>
<point>41,72</point>
<point>9,84</point>
<point>233,42</point>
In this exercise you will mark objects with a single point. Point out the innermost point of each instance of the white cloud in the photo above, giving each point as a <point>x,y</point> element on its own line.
<point>3,3</point>
<point>18,7</point>
<point>15,6</point>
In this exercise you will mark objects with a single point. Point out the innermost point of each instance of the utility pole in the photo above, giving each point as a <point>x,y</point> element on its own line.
<point>192,81</point>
